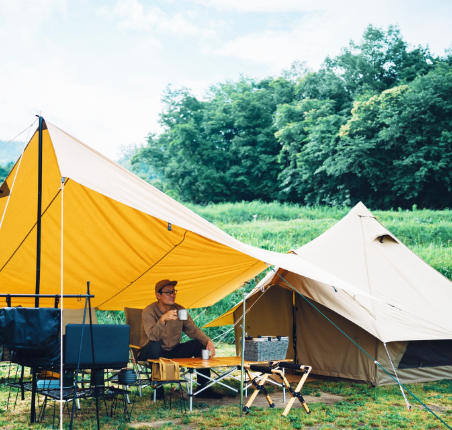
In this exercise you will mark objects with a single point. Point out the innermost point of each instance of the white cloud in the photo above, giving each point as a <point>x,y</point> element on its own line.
<point>23,19</point>
<point>316,34</point>
<point>101,116</point>
<point>132,15</point>
<point>272,6</point>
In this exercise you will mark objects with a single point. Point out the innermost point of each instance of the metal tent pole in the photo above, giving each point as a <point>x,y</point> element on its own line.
<point>38,262</point>
<point>38,225</point>
<point>243,353</point>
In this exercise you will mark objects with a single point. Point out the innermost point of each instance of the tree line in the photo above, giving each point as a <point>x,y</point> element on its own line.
<point>373,124</point>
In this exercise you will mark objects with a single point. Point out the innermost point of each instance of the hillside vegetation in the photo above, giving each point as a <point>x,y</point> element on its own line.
<point>372,124</point>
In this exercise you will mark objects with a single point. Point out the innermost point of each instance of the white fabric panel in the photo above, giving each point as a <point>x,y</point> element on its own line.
<point>413,299</point>
<point>89,168</point>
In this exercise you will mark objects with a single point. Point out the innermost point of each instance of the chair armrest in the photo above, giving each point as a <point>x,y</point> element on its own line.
<point>134,347</point>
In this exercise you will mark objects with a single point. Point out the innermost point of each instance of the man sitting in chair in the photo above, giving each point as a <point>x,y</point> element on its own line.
<point>161,332</point>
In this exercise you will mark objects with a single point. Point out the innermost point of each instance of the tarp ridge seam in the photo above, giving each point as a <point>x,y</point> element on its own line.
<point>144,273</point>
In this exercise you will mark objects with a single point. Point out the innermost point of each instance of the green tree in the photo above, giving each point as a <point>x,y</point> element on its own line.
<point>396,150</point>
<point>309,131</point>
<point>4,171</point>
<point>380,61</point>
<point>222,148</point>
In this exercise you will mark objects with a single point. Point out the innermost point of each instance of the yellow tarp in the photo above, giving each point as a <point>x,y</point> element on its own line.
<point>119,233</point>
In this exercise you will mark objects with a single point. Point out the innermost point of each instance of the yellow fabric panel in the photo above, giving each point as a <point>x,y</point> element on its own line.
<point>226,319</point>
<point>123,253</point>
<point>18,262</point>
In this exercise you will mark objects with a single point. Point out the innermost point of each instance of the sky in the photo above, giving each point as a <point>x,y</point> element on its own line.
<point>98,68</point>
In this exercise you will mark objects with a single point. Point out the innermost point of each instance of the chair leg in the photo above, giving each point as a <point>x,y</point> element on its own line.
<point>296,393</point>
<point>258,387</point>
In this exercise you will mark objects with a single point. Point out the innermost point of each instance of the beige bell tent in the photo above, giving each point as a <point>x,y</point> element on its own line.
<point>109,227</point>
<point>416,329</point>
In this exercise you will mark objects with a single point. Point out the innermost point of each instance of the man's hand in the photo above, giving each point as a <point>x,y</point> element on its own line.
<point>210,346</point>
<point>168,316</point>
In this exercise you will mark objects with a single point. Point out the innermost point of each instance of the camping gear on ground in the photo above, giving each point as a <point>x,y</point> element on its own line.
<point>273,368</point>
<point>111,346</point>
<point>408,323</point>
<point>32,335</point>
<point>97,378</point>
<point>227,365</point>
<point>165,370</point>
<point>182,314</point>
<point>205,354</point>
<point>266,348</point>
<point>6,354</point>
<point>127,377</point>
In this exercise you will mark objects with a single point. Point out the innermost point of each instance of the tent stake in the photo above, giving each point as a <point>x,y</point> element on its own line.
<point>243,353</point>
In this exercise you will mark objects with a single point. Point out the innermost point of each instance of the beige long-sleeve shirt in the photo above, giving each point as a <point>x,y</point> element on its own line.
<point>168,334</point>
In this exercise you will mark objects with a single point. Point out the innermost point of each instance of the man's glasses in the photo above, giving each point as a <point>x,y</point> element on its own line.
<point>169,293</point>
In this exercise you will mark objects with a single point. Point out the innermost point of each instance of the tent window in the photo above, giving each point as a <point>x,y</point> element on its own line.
<point>427,353</point>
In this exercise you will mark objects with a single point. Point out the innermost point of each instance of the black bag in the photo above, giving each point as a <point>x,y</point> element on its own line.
<point>32,335</point>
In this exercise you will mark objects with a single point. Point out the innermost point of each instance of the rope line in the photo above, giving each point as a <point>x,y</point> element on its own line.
<point>397,376</point>
<point>32,228</point>
<point>17,171</point>
<point>241,316</point>
<point>14,138</point>
<point>375,361</point>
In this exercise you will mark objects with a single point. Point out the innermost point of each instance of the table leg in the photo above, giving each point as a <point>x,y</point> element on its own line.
<point>246,385</point>
<point>284,387</point>
<point>33,397</point>
<point>191,388</point>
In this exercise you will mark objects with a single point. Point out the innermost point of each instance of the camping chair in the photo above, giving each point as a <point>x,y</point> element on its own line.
<point>133,319</point>
<point>273,368</point>
<point>70,316</point>
<point>75,316</point>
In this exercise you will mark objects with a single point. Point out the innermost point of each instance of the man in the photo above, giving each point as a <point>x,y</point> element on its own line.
<point>161,332</point>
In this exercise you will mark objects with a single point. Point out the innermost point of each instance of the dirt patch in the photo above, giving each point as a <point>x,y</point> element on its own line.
<point>260,401</point>
<point>277,397</point>
<point>158,424</point>
<point>434,408</point>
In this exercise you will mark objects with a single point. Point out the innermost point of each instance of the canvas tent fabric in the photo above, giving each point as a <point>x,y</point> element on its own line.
<point>120,233</point>
<point>364,253</point>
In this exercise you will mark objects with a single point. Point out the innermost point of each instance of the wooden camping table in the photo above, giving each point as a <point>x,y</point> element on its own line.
<point>228,363</point>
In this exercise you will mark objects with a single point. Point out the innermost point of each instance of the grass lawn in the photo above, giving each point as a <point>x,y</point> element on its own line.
<point>359,406</point>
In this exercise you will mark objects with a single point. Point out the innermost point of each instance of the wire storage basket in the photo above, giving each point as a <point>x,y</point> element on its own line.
<point>266,348</point>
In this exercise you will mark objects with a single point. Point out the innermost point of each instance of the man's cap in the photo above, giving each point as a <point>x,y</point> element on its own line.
<point>163,283</point>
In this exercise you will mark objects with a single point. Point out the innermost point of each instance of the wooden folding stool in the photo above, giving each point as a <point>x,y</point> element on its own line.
<point>258,386</point>
<point>273,369</point>
<point>294,393</point>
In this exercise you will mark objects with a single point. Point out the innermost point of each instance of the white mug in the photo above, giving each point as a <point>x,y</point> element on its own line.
<point>182,314</point>
<point>205,354</point>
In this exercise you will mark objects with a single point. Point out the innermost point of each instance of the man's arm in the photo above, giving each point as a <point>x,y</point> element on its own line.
<point>191,330</point>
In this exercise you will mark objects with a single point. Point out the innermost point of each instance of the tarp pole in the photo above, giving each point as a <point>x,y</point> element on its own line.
<point>62,305</point>
<point>38,224</point>
<point>242,371</point>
